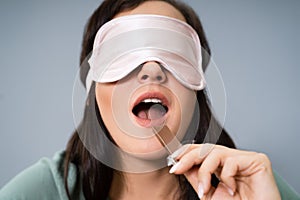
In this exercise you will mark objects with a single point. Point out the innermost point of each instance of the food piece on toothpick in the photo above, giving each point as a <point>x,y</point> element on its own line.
<point>167,140</point>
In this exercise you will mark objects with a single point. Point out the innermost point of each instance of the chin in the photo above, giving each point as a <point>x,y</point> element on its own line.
<point>153,153</point>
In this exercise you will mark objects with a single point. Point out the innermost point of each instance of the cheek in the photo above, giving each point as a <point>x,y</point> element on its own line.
<point>106,99</point>
<point>184,108</point>
<point>103,98</point>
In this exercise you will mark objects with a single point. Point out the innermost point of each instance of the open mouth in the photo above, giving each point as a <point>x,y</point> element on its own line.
<point>151,110</point>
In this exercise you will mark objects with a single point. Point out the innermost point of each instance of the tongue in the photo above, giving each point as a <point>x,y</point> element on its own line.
<point>156,111</point>
<point>142,114</point>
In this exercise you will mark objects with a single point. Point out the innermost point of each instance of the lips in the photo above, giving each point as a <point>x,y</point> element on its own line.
<point>150,109</point>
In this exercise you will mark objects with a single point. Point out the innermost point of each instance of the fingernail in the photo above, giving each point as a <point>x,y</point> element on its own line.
<point>230,191</point>
<point>174,168</point>
<point>200,190</point>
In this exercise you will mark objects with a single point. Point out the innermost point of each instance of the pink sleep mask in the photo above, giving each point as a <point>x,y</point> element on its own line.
<point>124,43</point>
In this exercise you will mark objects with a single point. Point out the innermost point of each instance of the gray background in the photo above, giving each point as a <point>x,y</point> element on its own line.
<point>255,45</point>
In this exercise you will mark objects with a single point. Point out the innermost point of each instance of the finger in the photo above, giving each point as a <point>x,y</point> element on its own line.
<point>176,155</point>
<point>211,164</point>
<point>192,177</point>
<point>226,164</point>
<point>187,165</point>
<point>208,167</point>
<point>181,151</point>
<point>221,192</point>
<point>187,161</point>
<point>190,155</point>
<point>228,173</point>
<point>218,193</point>
<point>185,149</point>
<point>209,195</point>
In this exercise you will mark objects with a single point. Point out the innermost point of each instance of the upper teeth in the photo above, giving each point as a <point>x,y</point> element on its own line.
<point>152,100</point>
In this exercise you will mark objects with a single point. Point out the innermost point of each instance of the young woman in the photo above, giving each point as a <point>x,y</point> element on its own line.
<point>146,95</point>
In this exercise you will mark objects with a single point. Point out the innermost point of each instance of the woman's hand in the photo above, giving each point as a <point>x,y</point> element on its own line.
<point>242,174</point>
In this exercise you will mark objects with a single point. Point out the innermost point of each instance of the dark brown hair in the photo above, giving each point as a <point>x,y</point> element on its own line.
<point>94,177</point>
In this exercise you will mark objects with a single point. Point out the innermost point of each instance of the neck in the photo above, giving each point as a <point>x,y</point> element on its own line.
<point>153,185</point>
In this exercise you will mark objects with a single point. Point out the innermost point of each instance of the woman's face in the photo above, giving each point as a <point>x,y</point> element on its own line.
<point>148,97</point>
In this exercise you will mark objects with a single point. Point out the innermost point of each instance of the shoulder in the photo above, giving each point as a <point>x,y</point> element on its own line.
<point>43,180</point>
<point>286,191</point>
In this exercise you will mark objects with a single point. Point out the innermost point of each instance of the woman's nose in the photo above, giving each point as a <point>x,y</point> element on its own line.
<point>151,72</point>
